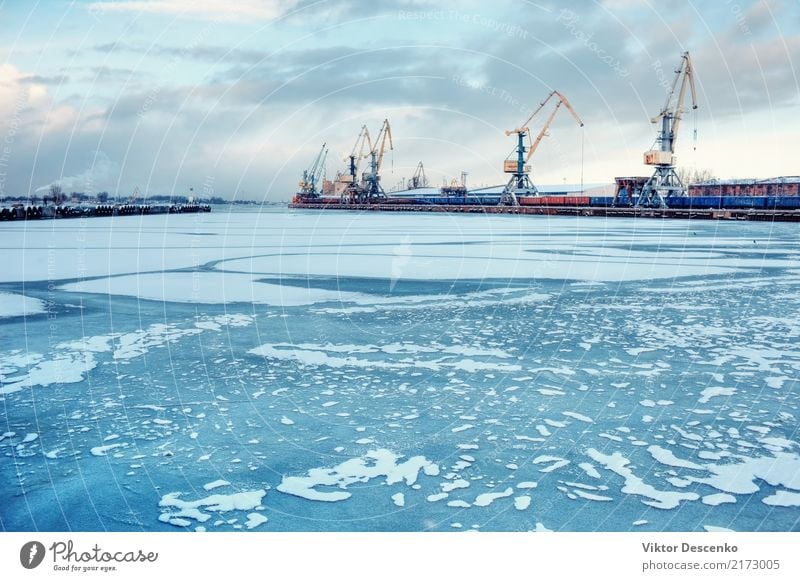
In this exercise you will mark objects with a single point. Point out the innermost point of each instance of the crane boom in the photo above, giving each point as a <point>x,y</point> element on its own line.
<point>561,101</point>
<point>380,142</point>
<point>319,165</point>
<point>349,181</point>
<point>357,154</point>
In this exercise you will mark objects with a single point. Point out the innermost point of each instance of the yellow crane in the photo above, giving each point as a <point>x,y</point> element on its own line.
<point>520,183</point>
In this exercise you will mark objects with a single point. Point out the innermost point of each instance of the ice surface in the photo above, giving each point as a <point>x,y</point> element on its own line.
<point>319,356</point>
<point>476,262</point>
<point>72,360</point>
<point>210,288</point>
<point>587,365</point>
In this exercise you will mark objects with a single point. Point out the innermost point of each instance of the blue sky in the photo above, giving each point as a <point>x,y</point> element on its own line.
<point>234,98</point>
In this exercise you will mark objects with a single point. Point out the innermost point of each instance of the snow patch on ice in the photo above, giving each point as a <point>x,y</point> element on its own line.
<point>719,498</point>
<point>319,355</point>
<point>715,529</point>
<point>555,463</point>
<point>210,288</point>
<point>215,484</point>
<point>783,498</point>
<point>488,498</point>
<point>710,392</point>
<point>634,485</point>
<point>180,510</point>
<point>104,450</point>
<point>15,305</point>
<point>579,417</point>
<point>665,456</point>
<point>255,519</point>
<point>374,464</point>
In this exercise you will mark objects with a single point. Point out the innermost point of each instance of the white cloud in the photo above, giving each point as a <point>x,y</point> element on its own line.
<point>101,172</point>
<point>232,10</point>
<point>29,103</point>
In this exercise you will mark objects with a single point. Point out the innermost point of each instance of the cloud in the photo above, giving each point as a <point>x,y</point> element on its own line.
<point>229,11</point>
<point>101,170</point>
<point>250,113</point>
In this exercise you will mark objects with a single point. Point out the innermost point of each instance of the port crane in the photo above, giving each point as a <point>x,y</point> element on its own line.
<point>520,183</point>
<point>312,175</point>
<point>664,182</point>
<point>352,191</point>
<point>134,196</point>
<point>419,179</point>
<point>372,184</point>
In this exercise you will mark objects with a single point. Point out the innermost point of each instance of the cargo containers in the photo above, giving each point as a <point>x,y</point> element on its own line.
<point>555,201</point>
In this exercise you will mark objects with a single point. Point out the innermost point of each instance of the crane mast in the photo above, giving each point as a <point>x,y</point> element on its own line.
<point>520,183</point>
<point>664,182</point>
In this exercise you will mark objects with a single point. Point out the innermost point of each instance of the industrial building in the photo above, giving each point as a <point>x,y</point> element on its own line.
<point>780,186</point>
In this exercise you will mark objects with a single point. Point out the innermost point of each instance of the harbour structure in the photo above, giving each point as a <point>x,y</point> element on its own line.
<point>784,186</point>
<point>520,184</point>
<point>665,183</point>
<point>661,194</point>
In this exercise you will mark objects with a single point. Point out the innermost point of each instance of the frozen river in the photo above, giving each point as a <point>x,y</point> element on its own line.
<point>291,370</point>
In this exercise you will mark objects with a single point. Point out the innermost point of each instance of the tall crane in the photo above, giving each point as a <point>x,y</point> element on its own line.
<point>134,196</point>
<point>312,175</point>
<point>520,183</point>
<point>372,183</point>
<point>419,179</point>
<point>351,190</point>
<point>665,182</point>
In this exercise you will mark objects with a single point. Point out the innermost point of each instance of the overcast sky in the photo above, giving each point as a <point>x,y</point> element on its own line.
<point>234,98</point>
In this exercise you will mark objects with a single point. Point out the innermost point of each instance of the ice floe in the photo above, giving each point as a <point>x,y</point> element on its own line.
<point>374,464</point>
<point>15,305</point>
